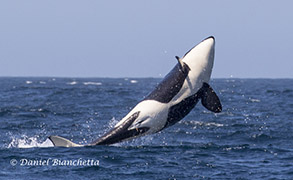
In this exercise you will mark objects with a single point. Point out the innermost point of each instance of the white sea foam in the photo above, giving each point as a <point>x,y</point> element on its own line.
<point>92,83</point>
<point>199,123</point>
<point>133,81</point>
<point>28,82</point>
<point>72,83</point>
<point>254,100</point>
<point>28,142</point>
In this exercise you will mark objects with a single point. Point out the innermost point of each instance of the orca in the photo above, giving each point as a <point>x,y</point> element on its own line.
<point>173,98</point>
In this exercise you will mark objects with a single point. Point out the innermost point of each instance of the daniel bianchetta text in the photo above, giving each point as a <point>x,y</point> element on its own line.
<point>55,162</point>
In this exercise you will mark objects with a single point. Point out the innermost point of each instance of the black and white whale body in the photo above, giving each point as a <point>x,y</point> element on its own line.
<point>172,99</point>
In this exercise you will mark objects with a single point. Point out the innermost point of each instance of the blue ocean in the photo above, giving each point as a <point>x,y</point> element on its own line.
<point>252,138</point>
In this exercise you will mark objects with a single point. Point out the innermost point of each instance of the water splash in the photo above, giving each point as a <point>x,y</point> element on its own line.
<point>29,142</point>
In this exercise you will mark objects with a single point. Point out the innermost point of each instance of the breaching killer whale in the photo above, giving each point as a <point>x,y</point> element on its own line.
<point>169,102</point>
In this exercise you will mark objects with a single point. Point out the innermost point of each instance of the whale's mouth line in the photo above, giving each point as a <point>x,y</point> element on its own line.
<point>121,132</point>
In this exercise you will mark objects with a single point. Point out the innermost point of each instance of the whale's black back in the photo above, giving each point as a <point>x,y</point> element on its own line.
<point>170,85</point>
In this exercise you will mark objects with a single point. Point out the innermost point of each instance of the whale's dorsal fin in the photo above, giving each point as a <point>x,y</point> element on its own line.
<point>183,66</point>
<point>180,62</point>
<point>209,99</point>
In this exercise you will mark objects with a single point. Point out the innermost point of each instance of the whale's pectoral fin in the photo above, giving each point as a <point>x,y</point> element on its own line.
<point>62,142</point>
<point>209,99</point>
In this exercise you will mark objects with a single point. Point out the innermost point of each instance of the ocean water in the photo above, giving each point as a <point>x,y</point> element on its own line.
<point>251,139</point>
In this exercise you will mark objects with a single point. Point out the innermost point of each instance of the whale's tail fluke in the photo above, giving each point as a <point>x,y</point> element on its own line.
<point>62,142</point>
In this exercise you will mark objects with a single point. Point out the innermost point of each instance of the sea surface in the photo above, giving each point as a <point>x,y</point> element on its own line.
<point>252,138</point>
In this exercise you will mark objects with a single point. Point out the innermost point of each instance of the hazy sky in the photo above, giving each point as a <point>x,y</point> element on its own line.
<point>92,38</point>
